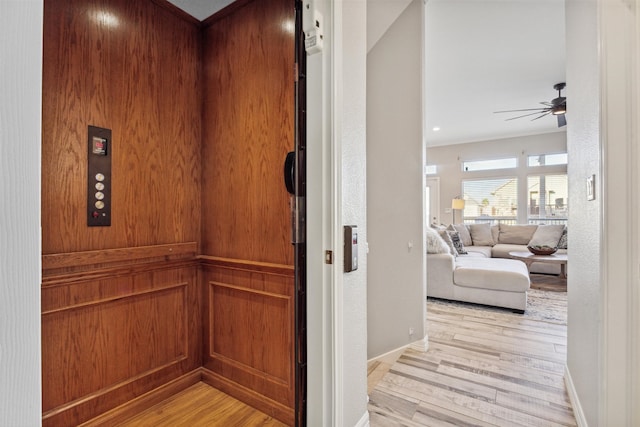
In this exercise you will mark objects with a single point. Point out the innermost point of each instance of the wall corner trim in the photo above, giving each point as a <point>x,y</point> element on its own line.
<point>420,345</point>
<point>364,421</point>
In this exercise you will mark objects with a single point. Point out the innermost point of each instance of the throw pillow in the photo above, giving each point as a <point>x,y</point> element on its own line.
<point>495,233</point>
<point>481,234</point>
<point>447,240</point>
<point>435,244</point>
<point>547,235</point>
<point>457,242</point>
<point>564,240</point>
<point>463,231</point>
<point>516,234</point>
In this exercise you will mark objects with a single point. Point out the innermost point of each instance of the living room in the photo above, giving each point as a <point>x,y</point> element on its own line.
<point>589,278</point>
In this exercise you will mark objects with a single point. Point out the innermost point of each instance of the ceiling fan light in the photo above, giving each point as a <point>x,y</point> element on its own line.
<point>556,111</point>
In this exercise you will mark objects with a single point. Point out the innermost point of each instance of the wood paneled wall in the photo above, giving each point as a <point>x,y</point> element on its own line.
<point>109,338</point>
<point>248,274</point>
<point>249,335</point>
<point>201,119</point>
<point>120,305</point>
<point>132,67</point>
<point>248,129</point>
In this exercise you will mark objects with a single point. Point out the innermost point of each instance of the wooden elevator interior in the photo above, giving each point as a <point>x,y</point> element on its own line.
<point>194,279</point>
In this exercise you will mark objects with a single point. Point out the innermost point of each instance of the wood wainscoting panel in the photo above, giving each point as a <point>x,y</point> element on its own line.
<point>107,341</point>
<point>249,331</point>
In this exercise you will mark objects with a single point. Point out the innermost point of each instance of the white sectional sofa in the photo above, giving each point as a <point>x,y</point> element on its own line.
<point>480,271</point>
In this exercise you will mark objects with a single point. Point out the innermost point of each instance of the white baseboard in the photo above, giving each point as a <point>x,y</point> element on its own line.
<point>391,356</point>
<point>364,421</point>
<point>573,398</point>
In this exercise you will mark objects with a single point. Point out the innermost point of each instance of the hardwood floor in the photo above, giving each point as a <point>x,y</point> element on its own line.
<point>483,368</point>
<point>199,406</point>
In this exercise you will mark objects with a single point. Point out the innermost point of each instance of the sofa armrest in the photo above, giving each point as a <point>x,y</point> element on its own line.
<point>440,275</point>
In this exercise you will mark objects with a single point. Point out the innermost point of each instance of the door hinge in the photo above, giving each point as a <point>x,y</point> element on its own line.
<point>328,257</point>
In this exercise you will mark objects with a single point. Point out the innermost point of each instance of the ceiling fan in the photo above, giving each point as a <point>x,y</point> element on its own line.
<point>557,107</point>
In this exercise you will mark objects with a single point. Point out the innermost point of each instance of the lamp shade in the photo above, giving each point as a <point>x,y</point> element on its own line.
<point>457,204</point>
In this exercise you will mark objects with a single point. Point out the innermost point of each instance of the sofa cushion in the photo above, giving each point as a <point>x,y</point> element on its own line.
<point>564,240</point>
<point>502,250</point>
<point>484,251</point>
<point>457,242</point>
<point>547,235</point>
<point>481,234</point>
<point>516,234</point>
<point>435,244</point>
<point>494,273</point>
<point>464,233</point>
<point>447,239</point>
<point>495,233</point>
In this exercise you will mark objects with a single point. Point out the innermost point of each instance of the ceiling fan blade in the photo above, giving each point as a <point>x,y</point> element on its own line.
<point>562,120</point>
<point>526,109</point>
<point>526,115</point>
<point>542,115</point>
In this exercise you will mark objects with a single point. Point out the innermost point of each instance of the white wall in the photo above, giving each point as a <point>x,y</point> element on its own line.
<point>395,186</point>
<point>603,373</point>
<point>448,161</point>
<point>350,101</point>
<point>619,28</point>
<point>380,15</point>
<point>585,217</point>
<point>319,234</point>
<point>20,126</point>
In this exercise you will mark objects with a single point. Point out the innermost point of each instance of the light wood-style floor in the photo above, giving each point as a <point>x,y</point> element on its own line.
<point>201,406</point>
<point>483,368</point>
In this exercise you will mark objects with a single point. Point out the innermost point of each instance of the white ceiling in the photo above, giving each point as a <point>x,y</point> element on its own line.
<point>489,55</point>
<point>481,56</point>
<point>201,9</point>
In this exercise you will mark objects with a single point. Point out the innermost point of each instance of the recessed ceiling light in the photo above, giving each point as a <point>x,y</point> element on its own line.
<point>436,129</point>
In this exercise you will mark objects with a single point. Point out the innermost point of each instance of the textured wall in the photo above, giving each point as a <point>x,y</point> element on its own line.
<point>354,170</point>
<point>20,106</point>
<point>585,217</point>
<point>395,153</point>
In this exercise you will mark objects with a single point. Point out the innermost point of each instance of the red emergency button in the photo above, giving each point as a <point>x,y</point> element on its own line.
<point>95,214</point>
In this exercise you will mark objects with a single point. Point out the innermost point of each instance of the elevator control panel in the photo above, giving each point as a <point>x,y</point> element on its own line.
<point>100,148</point>
<point>350,248</point>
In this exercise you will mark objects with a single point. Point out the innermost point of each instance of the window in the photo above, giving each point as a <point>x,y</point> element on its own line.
<point>430,169</point>
<point>547,160</point>
<point>547,199</point>
<point>491,200</point>
<point>484,165</point>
